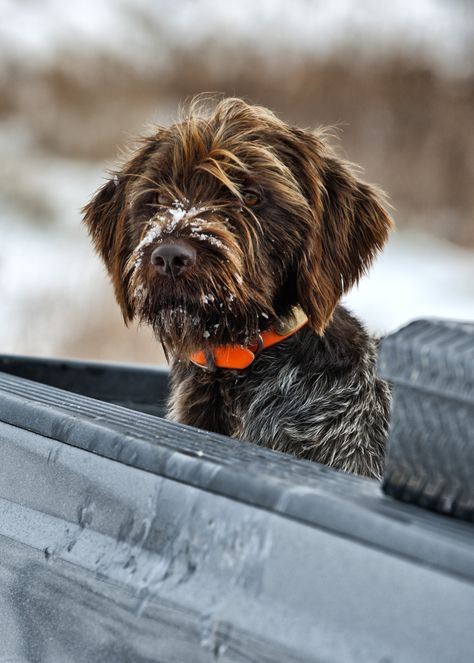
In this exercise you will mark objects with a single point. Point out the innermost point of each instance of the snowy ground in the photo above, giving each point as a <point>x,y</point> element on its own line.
<point>416,276</point>
<point>56,298</point>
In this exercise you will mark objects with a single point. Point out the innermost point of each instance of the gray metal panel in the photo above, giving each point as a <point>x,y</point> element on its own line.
<point>430,452</point>
<point>274,481</point>
<point>170,544</point>
<point>104,561</point>
<point>140,387</point>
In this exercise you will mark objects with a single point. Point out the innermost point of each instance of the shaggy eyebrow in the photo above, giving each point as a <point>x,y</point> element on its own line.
<point>214,168</point>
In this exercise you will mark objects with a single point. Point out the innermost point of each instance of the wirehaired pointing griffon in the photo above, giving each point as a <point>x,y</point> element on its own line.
<point>234,236</point>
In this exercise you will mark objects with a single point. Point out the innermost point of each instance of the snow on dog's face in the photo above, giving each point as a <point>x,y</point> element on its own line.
<point>220,224</point>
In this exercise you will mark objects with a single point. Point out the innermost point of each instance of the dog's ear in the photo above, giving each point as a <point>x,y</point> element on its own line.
<point>106,218</point>
<point>349,226</point>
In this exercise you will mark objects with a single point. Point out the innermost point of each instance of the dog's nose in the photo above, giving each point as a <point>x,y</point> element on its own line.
<point>172,259</point>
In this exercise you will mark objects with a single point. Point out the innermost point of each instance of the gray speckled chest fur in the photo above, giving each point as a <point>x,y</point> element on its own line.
<point>315,397</point>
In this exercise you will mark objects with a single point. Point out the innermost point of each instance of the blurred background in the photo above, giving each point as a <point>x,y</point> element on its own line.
<point>77,80</point>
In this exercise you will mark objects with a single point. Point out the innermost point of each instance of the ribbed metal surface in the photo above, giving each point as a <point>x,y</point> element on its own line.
<point>299,489</point>
<point>430,455</point>
<point>124,537</point>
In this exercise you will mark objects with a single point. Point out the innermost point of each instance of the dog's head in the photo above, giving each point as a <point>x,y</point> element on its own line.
<point>222,223</point>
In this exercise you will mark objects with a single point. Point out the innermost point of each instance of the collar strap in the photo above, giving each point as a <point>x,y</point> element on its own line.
<point>238,357</point>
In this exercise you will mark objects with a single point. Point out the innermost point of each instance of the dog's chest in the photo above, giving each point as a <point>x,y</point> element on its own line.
<point>205,400</point>
<point>228,402</point>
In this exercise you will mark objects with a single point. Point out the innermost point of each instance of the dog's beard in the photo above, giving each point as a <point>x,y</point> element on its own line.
<point>186,318</point>
<point>210,304</point>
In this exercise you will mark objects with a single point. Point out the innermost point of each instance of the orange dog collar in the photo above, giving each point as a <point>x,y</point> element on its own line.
<point>238,357</point>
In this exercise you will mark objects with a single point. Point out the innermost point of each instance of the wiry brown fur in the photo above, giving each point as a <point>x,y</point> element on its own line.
<point>312,235</point>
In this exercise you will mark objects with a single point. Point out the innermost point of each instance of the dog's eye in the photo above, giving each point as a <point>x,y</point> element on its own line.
<point>251,198</point>
<point>163,199</point>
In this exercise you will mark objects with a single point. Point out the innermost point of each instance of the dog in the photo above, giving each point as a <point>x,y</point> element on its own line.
<point>234,235</point>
